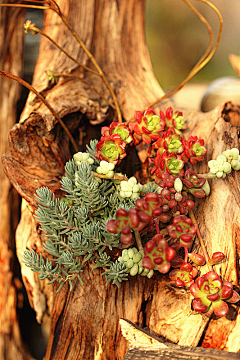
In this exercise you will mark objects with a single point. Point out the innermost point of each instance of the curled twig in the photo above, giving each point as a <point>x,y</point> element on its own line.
<point>31,88</point>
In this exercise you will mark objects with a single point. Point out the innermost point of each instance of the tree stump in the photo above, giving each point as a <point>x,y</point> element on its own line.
<point>85,322</point>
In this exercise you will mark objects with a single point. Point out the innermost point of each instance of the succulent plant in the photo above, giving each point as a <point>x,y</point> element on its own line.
<point>126,220</point>
<point>130,188</point>
<point>111,149</point>
<point>149,206</point>
<point>223,165</point>
<point>118,128</point>
<point>220,167</point>
<point>210,294</point>
<point>216,258</point>
<point>194,150</point>
<point>170,142</point>
<point>81,157</point>
<point>184,276</point>
<point>132,259</point>
<point>171,163</point>
<point>106,168</point>
<point>183,229</point>
<point>146,126</point>
<point>173,120</point>
<point>197,259</point>
<point>194,183</point>
<point>157,254</point>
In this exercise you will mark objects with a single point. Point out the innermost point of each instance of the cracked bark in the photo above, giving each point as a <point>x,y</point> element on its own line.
<point>85,322</point>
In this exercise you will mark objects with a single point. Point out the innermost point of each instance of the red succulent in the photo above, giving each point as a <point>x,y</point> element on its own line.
<point>111,148</point>
<point>146,126</point>
<point>194,150</point>
<point>184,276</point>
<point>158,254</point>
<point>210,294</point>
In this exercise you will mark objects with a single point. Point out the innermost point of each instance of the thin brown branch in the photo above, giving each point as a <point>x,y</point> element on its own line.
<point>27,6</point>
<point>46,103</point>
<point>60,48</point>
<point>204,59</point>
<point>91,58</point>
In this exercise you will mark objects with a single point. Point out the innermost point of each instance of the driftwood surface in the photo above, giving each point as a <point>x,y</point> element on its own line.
<point>85,322</point>
<point>11,59</point>
<point>143,345</point>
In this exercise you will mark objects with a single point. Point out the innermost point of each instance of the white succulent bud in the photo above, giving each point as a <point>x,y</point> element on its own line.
<point>206,188</point>
<point>132,181</point>
<point>81,157</point>
<point>135,196</point>
<point>178,185</point>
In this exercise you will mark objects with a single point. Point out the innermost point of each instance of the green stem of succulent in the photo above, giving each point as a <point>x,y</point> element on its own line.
<point>204,250</point>
<point>138,240</point>
<point>91,58</point>
<point>31,88</point>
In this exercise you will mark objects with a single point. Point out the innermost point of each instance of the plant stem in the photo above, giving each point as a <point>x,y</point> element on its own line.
<point>186,254</point>
<point>138,240</point>
<point>46,103</point>
<point>157,226</point>
<point>91,58</point>
<point>204,250</point>
<point>115,177</point>
<point>27,6</point>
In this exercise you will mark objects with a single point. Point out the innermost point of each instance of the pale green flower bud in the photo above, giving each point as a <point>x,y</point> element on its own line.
<point>234,153</point>
<point>235,164</point>
<point>221,159</point>
<point>227,168</point>
<point>85,156</point>
<point>132,181</point>
<point>137,257</point>
<point>150,273</point>
<point>134,270</point>
<point>136,188</point>
<point>159,190</point>
<point>125,257</point>
<point>110,174</point>
<point>125,186</point>
<point>129,263</point>
<point>135,196</point>
<point>206,188</point>
<point>145,272</point>
<point>130,253</point>
<point>219,174</point>
<point>178,185</point>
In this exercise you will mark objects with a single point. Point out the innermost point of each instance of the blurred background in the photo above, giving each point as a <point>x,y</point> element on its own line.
<point>177,39</point>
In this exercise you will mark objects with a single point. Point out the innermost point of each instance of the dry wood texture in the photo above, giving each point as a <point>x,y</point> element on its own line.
<point>85,322</point>
<point>11,59</point>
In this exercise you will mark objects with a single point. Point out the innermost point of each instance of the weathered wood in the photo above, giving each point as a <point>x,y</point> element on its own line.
<point>85,321</point>
<point>11,59</point>
<point>143,345</point>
